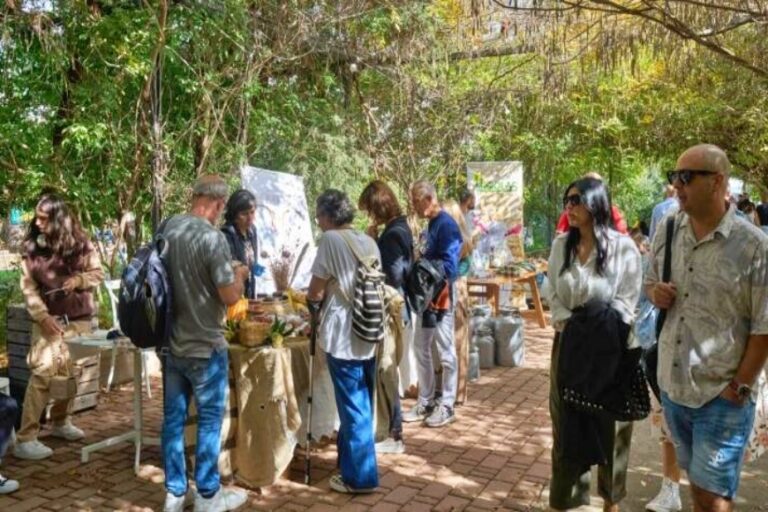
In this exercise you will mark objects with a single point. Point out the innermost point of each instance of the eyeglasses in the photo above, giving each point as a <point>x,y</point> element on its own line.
<point>573,200</point>
<point>685,175</point>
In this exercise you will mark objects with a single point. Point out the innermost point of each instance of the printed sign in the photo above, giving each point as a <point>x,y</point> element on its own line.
<point>498,188</point>
<point>282,222</point>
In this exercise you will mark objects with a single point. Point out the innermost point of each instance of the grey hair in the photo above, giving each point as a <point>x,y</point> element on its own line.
<point>336,206</point>
<point>423,188</point>
<point>210,186</point>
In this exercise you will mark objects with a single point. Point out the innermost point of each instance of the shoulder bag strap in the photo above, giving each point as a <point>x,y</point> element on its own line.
<point>667,269</point>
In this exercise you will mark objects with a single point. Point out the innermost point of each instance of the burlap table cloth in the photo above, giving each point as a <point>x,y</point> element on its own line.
<point>261,423</point>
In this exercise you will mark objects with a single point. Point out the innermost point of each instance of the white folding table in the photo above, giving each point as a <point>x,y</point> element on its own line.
<point>136,434</point>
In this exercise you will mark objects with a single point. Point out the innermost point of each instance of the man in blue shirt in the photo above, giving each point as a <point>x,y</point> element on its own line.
<point>762,209</point>
<point>443,244</point>
<point>669,204</point>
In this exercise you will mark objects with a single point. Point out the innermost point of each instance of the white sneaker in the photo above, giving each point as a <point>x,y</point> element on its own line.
<point>222,501</point>
<point>179,503</point>
<point>68,431</point>
<point>442,415</point>
<point>31,450</point>
<point>668,499</point>
<point>390,445</point>
<point>8,486</point>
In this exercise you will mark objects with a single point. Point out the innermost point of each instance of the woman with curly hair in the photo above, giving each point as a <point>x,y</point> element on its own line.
<point>351,361</point>
<point>60,270</point>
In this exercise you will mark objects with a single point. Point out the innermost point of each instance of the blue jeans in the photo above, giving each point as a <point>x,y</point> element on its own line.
<point>206,380</point>
<point>710,441</point>
<point>354,385</point>
<point>9,411</point>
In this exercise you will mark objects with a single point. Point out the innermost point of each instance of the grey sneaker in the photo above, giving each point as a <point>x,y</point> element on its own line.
<point>442,415</point>
<point>418,413</point>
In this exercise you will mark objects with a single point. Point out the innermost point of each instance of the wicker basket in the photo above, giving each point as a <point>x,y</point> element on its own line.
<point>253,334</point>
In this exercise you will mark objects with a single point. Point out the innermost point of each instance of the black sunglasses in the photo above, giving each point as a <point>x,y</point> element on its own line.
<point>685,175</point>
<point>573,200</point>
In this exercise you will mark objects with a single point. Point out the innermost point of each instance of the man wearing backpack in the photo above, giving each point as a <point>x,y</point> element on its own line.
<point>196,362</point>
<point>442,246</point>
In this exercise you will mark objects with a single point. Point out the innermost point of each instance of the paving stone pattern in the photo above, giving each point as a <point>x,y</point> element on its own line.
<point>494,457</point>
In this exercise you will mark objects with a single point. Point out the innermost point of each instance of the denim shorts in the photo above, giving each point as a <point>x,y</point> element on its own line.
<point>710,441</point>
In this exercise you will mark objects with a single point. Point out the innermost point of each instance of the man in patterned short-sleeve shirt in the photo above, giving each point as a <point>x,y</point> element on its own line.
<point>715,339</point>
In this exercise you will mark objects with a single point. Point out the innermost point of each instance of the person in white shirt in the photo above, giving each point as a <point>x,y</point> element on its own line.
<point>591,261</point>
<point>351,362</point>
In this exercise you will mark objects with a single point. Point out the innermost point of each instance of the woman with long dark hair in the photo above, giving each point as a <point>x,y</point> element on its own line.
<point>60,269</point>
<point>595,275</point>
<point>241,234</point>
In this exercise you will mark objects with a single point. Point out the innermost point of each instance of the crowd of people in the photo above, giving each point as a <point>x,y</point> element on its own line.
<point>712,341</point>
<point>603,278</point>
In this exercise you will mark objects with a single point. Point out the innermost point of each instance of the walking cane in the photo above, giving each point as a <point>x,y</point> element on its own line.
<point>314,313</point>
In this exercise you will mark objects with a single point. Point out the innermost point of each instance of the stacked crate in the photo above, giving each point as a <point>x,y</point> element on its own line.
<point>9,260</point>
<point>19,335</point>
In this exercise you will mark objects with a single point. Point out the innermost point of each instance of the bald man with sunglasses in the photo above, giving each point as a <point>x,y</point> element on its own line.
<point>714,342</point>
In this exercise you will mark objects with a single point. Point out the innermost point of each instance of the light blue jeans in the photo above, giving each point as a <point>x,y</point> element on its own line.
<point>206,380</point>
<point>710,441</point>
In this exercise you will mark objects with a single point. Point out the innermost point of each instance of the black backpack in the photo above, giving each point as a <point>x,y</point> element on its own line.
<point>425,281</point>
<point>144,306</point>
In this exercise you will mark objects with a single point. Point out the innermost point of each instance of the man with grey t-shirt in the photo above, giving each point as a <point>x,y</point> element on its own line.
<point>204,283</point>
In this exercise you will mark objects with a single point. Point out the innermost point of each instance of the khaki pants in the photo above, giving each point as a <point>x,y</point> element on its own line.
<point>461,327</point>
<point>569,486</point>
<point>47,357</point>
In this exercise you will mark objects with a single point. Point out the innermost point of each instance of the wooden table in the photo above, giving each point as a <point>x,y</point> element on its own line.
<point>493,285</point>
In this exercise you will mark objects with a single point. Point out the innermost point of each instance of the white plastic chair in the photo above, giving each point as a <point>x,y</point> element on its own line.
<point>113,288</point>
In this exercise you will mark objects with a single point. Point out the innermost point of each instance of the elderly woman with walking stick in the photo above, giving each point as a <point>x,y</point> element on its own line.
<point>351,362</point>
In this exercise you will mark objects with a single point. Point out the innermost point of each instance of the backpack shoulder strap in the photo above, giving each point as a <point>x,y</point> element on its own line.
<point>345,235</point>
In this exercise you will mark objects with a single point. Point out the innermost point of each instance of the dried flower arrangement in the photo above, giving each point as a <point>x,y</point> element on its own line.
<point>281,268</point>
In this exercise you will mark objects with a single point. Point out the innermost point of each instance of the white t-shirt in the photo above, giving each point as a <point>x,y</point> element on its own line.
<point>336,262</point>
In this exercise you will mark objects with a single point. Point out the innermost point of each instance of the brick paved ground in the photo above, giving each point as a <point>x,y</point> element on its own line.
<point>495,457</point>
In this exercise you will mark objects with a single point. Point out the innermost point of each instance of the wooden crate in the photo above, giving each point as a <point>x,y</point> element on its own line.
<point>19,334</point>
<point>9,260</point>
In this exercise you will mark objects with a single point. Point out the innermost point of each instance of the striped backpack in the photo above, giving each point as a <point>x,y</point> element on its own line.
<point>368,304</point>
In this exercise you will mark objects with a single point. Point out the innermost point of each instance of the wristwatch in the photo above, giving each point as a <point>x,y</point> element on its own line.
<point>742,390</point>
